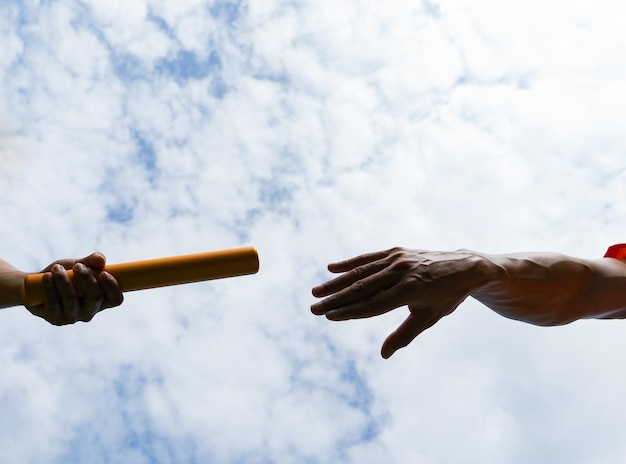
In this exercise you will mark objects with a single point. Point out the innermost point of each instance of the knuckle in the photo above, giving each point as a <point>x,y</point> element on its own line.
<point>358,286</point>
<point>56,271</point>
<point>357,272</point>
<point>81,270</point>
<point>369,305</point>
<point>396,251</point>
<point>401,265</point>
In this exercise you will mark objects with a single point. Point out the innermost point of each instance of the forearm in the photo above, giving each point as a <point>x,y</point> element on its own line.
<point>11,282</point>
<point>554,289</point>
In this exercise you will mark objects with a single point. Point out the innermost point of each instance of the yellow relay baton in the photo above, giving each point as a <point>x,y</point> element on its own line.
<point>162,272</point>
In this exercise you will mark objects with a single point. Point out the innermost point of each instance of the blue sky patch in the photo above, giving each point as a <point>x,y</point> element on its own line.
<point>161,24</point>
<point>226,11</point>
<point>127,67</point>
<point>187,65</point>
<point>146,153</point>
<point>121,213</point>
<point>275,197</point>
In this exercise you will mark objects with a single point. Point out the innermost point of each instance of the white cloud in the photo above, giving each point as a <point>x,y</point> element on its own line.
<point>318,131</point>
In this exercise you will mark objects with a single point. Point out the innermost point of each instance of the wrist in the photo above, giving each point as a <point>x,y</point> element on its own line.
<point>486,270</point>
<point>11,285</point>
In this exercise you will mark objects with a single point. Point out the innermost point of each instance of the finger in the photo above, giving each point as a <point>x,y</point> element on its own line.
<point>113,295</point>
<point>413,325</point>
<point>66,292</point>
<point>349,264</point>
<point>375,305</point>
<point>51,309</point>
<point>64,263</point>
<point>95,260</point>
<point>348,279</point>
<point>90,290</point>
<point>363,293</point>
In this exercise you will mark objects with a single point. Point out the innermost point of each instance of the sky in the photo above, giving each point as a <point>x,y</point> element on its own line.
<point>314,131</point>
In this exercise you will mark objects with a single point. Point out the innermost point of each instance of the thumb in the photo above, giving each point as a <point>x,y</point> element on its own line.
<point>95,260</point>
<point>413,325</point>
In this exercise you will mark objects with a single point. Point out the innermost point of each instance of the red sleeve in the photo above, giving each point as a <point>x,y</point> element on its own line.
<point>616,251</point>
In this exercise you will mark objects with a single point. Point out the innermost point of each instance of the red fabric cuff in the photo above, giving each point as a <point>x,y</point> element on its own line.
<point>616,251</point>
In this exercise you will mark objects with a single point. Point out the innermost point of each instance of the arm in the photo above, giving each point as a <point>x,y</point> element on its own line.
<point>11,280</point>
<point>66,301</point>
<point>549,289</point>
<point>537,288</point>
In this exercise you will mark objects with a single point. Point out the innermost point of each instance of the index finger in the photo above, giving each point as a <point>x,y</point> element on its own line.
<point>357,268</point>
<point>349,264</point>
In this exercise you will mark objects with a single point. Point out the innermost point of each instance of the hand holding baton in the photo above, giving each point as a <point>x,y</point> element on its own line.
<point>162,272</point>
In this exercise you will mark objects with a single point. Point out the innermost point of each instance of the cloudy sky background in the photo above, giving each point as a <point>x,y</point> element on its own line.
<point>314,131</point>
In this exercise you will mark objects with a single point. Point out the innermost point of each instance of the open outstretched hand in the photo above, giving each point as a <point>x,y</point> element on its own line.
<point>431,284</point>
